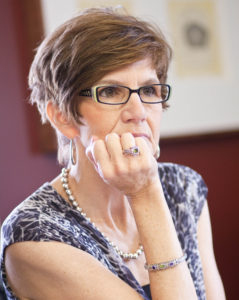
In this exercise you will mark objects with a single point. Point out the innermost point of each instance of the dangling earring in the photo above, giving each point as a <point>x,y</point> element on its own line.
<point>157,153</point>
<point>72,151</point>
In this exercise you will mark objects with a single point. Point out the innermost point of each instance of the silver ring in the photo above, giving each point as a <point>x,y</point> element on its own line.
<point>132,151</point>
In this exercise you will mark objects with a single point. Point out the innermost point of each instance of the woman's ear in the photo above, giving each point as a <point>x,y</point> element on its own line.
<point>59,121</point>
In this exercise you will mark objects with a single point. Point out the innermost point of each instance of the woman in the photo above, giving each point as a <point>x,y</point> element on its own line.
<point>115,222</point>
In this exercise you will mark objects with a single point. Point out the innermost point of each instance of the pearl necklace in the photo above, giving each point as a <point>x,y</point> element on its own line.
<point>123,255</point>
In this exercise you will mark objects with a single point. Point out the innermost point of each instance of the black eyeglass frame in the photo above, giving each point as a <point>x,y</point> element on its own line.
<point>92,92</point>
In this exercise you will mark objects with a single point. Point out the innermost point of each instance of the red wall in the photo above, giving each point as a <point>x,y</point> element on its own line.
<point>21,171</point>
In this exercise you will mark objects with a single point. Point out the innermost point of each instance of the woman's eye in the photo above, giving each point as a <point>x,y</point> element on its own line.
<point>107,92</point>
<point>149,91</point>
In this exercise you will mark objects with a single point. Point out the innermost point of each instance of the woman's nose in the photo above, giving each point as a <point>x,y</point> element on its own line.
<point>134,110</point>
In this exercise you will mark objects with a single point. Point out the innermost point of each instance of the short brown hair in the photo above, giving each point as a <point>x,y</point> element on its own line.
<point>87,47</point>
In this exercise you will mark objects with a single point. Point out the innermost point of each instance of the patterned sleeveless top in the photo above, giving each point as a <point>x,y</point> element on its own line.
<point>46,216</point>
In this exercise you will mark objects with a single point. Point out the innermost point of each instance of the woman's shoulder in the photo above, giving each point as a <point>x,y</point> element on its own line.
<point>183,176</point>
<point>34,203</point>
<point>24,222</point>
<point>183,187</point>
<point>179,171</point>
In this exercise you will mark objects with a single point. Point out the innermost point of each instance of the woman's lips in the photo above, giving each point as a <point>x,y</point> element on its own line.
<point>140,134</point>
<point>147,137</point>
<point>144,135</point>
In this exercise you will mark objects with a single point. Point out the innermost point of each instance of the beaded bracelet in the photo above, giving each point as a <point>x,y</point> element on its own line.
<point>165,265</point>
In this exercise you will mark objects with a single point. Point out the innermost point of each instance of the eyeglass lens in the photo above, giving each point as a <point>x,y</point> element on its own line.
<point>119,94</point>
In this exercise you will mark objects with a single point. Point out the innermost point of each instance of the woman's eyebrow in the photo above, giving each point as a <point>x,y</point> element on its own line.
<point>109,81</point>
<point>151,81</point>
<point>117,82</point>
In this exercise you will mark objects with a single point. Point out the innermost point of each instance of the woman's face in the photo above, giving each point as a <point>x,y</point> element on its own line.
<point>136,117</point>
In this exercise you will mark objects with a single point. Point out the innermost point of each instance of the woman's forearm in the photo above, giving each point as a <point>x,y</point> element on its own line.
<point>160,242</point>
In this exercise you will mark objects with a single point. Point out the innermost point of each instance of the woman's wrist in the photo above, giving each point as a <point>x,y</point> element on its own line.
<point>152,190</point>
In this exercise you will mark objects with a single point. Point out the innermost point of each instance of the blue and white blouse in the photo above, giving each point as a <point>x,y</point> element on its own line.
<point>46,216</point>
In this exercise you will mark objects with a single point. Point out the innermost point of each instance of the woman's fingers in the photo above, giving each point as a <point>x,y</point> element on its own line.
<point>111,151</point>
<point>123,171</point>
<point>108,156</point>
<point>127,141</point>
<point>98,154</point>
<point>113,146</point>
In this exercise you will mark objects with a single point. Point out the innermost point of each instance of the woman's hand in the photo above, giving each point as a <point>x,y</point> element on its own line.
<point>137,177</point>
<point>129,174</point>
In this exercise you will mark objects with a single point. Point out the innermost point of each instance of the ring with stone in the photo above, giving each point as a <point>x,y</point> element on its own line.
<point>132,151</point>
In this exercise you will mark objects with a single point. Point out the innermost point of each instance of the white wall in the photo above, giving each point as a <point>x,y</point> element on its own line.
<point>199,104</point>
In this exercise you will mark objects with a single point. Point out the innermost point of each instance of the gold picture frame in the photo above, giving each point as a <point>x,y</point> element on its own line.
<point>195,35</point>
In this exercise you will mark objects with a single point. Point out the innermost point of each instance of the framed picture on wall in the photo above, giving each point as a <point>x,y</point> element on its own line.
<point>196,37</point>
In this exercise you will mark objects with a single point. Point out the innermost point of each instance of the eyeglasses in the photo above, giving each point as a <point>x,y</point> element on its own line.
<point>119,94</point>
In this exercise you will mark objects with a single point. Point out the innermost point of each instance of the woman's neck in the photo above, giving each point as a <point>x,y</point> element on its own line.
<point>107,207</point>
<point>101,202</point>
